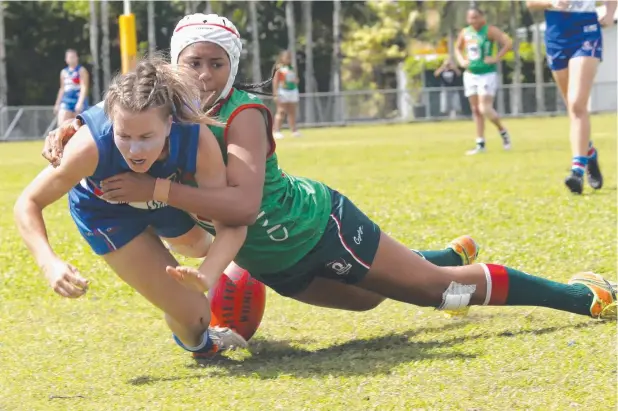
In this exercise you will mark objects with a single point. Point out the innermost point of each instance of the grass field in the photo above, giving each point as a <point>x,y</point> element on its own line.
<point>111,350</point>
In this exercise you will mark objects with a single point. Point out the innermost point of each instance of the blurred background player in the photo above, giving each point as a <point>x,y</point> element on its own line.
<point>574,44</point>
<point>285,93</point>
<point>481,78</point>
<point>72,96</point>
<point>449,96</point>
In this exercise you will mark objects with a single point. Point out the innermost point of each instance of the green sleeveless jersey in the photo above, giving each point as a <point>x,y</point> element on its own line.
<point>287,78</point>
<point>294,210</point>
<point>478,46</point>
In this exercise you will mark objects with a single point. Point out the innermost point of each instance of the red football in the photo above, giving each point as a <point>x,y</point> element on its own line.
<point>237,301</point>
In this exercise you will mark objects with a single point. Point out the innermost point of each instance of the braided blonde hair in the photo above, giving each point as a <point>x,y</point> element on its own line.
<point>154,83</point>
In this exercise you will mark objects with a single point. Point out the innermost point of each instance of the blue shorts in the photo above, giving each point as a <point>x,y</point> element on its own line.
<point>558,57</point>
<point>106,232</point>
<point>68,104</point>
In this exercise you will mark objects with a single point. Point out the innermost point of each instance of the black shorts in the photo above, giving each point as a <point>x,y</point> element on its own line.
<point>344,253</point>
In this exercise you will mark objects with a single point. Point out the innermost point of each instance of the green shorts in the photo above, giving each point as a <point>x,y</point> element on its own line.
<point>344,253</point>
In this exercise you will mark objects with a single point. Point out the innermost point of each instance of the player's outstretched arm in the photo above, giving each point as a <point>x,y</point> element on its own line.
<point>80,160</point>
<point>211,173</point>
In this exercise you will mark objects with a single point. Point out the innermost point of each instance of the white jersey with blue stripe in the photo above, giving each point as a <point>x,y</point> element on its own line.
<point>569,27</point>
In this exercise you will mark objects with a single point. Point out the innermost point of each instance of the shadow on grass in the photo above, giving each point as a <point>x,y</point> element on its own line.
<point>374,356</point>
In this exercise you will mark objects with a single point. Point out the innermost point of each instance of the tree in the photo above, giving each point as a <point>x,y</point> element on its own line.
<point>516,83</point>
<point>94,52</point>
<point>256,69</point>
<point>152,38</point>
<point>3,82</point>
<point>336,70</point>
<point>309,77</point>
<point>107,68</point>
<point>290,22</point>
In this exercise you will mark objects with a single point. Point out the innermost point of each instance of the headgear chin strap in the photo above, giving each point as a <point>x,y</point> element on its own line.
<point>212,28</point>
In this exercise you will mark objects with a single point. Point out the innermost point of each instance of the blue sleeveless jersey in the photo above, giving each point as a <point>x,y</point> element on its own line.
<point>108,226</point>
<point>71,88</point>
<point>572,33</point>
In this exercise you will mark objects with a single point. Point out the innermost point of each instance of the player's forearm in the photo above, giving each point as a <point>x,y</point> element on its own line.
<point>31,226</point>
<point>59,97</point>
<point>222,252</point>
<point>538,4</point>
<point>460,58</point>
<point>508,46</point>
<point>610,7</point>
<point>228,205</point>
<point>83,93</point>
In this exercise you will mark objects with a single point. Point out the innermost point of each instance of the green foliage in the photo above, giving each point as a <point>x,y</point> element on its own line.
<point>77,8</point>
<point>111,349</point>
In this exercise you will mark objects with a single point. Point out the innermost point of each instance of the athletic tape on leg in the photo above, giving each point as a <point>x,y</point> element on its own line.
<point>456,296</point>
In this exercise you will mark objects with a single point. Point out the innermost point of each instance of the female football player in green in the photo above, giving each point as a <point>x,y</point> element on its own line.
<point>307,241</point>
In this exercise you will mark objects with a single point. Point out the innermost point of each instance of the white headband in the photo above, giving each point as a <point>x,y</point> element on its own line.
<point>196,28</point>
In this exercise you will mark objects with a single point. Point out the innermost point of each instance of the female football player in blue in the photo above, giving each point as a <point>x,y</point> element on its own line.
<point>72,96</point>
<point>148,126</point>
<point>574,44</point>
<point>307,241</point>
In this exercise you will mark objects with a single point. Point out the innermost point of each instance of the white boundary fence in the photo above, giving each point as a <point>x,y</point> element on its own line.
<point>366,106</point>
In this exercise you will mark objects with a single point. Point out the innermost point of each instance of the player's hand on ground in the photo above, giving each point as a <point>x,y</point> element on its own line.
<point>57,139</point>
<point>189,277</point>
<point>64,279</point>
<point>129,187</point>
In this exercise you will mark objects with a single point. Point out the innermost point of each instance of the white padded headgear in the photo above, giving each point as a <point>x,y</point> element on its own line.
<point>212,28</point>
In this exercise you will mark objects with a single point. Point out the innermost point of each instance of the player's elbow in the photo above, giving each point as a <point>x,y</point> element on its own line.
<point>23,208</point>
<point>248,214</point>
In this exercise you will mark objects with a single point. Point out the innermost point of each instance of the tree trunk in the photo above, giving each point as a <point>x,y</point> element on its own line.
<point>291,25</point>
<point>538,69</point>
<point>336,65</point>
<point>107,68</point>
<point>152,38</point>
<point>516,83</point>
<point>256,62</point>
<point>308,23</point>
<point>190,7</point>
<point>94,52</point>
<point>208,8</point>
<point>4,118</point>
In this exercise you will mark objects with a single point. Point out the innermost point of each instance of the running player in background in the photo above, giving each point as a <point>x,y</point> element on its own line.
<point>309,242</point>
<point>285,93</point>
<point>72,96</point>
<point>574,44</point>
<point>481,78</point>
<point>144,125</point>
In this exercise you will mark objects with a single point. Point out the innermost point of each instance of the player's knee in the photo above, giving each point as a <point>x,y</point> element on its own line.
<point>578,107</point>
<point>476,111</point>
<point>194,244</point>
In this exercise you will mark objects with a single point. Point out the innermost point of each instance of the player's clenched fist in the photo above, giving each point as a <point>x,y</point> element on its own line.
<point>64,279</point>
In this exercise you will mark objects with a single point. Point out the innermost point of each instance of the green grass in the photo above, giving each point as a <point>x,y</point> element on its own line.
<point>111,350</point>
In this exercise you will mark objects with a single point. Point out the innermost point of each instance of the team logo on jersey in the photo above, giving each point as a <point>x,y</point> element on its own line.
<point>587,46</point>
<point>340,266</point>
